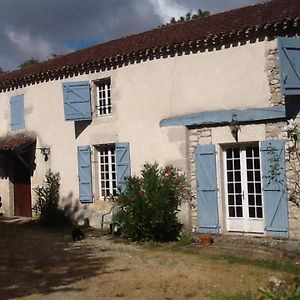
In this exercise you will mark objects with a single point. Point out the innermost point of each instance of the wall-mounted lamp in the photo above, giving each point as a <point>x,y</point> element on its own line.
<point>234,128</point>
<point>46,152</point>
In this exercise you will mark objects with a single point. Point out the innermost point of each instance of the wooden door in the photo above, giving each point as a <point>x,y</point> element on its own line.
<point>22,196</point>
<point>22,189</point>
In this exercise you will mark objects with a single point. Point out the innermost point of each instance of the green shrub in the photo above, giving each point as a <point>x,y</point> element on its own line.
<point>185,239</point>
<point>46,206</point>
<point>150,204</point>
<point>290,293</point>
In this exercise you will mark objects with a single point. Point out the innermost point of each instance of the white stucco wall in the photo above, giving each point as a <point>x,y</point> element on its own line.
<point>142,95</point>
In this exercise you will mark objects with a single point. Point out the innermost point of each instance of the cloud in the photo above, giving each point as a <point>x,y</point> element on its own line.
<point>37,28</point>
<point>30,46</point>
<point>166,9</point>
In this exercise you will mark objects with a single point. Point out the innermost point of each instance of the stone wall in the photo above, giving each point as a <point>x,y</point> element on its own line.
<point>272,131</point>
<point>196,136</point>
<point>272,71</point>
<point>292,150</point>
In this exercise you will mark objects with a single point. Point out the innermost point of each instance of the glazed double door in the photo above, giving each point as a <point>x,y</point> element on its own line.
<point>244,201</point>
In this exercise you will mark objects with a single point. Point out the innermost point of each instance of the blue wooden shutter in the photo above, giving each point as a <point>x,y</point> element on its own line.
<point>17,120</point>
<point>123,164</point>
<point>85,174</point>
<point>77,101</point>
<point>274,188</point>
<point>289,59</point>
<point>206,176</point>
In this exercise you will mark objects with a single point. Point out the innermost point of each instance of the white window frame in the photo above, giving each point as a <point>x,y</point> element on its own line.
<point>245,223</point>
<point>103,97</point>
<point>107,170</point>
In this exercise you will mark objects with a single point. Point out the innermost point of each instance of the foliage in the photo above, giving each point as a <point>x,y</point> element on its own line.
<point>185,239</point>
<point>28,62</point>
<point>292,130</point>
<point>274,171</point>
<point>189,16</point>
<point>293,133</point>
<point>150,204</point>
<point>291,293</point>
<point>1,71</point>
<point>46,206</point>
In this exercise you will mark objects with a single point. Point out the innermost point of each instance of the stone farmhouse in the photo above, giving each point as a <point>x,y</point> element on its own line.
<point>212,96</point>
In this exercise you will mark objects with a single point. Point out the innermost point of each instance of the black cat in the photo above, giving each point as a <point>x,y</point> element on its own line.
<point>77,234</point>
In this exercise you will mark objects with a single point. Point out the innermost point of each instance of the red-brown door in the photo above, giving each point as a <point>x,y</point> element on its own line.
<point>22,189</point>
<point>22,195</point>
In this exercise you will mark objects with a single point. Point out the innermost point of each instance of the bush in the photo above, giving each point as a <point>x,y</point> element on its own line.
<point>46,206</point>
<point>185,240</point>
<point>150,204</point>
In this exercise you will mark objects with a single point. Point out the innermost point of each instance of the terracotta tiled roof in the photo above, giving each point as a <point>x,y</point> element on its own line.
<point>273,18</point>
<point>11,142</point>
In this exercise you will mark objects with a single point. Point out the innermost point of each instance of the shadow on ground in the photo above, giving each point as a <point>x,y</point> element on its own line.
<point>38,260</point>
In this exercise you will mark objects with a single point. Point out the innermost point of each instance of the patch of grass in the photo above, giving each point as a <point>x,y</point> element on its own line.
<point>235,259</point>
<point>268,264</point>
<point>237,296</point>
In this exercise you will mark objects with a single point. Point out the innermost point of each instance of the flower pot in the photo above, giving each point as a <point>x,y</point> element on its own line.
<point>206,239</point>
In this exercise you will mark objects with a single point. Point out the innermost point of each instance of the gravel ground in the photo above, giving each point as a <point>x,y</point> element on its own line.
<point>39,263</point>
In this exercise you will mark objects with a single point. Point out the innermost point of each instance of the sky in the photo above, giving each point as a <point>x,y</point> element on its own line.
<point>40,28</point>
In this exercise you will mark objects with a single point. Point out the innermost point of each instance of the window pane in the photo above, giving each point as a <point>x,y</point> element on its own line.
<point>231,211</point>
<point>258,200</point>
<point>229,153</point>
<point>229,176</point>
<point>252,212</point>
<point>250,175</point>
<point>237,175</point>
<point>236,152</point>
<point>249,151</point>
<point>256,164</point>
<point>238,188</point>
<point>257,175</point>
<point>251,199</point>
<point>231,200</point>
<point>238,199</point>
<point>236,164</point>
<point>249,164</point>
<point>257,187</point>
<point>259,212</point>
<point>250,188</point>
<point>239,212</point>
<point>229,165</point>
<point>230,188</point>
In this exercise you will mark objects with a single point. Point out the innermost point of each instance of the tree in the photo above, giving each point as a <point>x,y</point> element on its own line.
<point>29,62</point>
<point>200,13</point>
<point>1,71</point>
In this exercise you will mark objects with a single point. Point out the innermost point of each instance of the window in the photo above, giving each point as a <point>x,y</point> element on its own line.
<point>17,118</point>
<point>107,170</point>
<point>104,98</point>
<point>244,189</point>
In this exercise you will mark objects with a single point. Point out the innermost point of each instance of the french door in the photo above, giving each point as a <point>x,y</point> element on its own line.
<point>244,203</point>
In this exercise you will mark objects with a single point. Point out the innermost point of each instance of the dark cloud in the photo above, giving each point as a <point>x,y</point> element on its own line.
<point>38,28</point>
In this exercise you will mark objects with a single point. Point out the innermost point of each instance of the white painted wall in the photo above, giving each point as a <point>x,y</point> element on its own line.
<point>142,95</point>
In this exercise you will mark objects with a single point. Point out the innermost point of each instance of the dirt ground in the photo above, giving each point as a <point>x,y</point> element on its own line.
<point>39,263</point>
